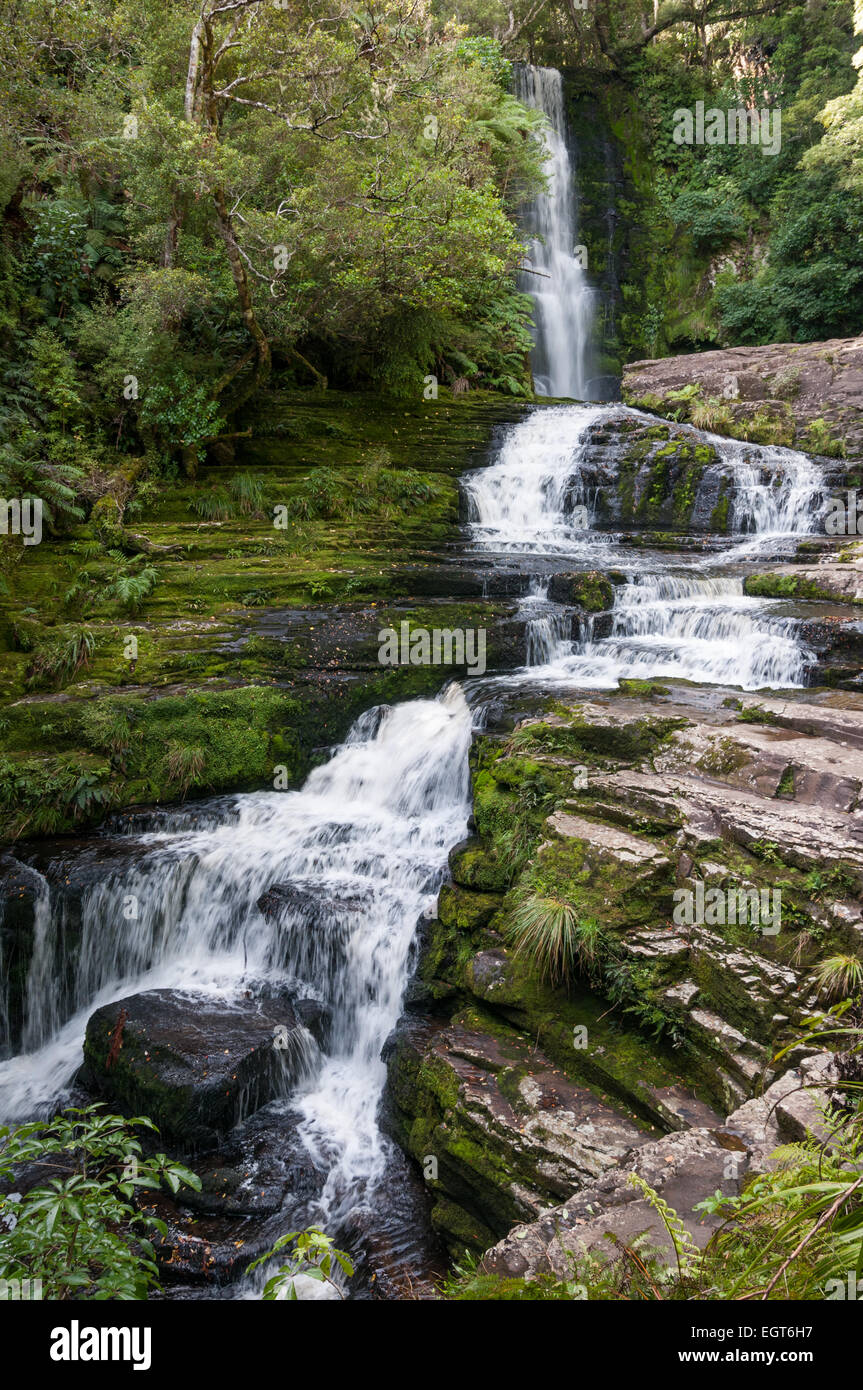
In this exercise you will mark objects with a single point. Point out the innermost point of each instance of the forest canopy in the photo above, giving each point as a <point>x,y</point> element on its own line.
<point>199,199</point>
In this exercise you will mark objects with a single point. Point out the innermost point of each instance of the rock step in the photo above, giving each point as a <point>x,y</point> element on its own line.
<point>504,1131</point>
<point>683,1169</point>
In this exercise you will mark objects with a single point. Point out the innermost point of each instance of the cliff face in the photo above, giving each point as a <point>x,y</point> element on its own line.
<point>806,395</point>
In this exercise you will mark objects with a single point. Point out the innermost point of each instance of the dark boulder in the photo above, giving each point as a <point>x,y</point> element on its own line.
<point>195,1065</point>
<point>20,890</point>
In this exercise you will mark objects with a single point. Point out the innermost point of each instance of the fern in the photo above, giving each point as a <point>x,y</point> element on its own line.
<point>129,589</point>
<point>686,1252</point>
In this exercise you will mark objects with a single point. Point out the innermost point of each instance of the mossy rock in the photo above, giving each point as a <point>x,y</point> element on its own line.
<point>644,688</point>
<point>472,865</point>
<point>591,591</point>
<point>466,911</point>
<point>785,586</point>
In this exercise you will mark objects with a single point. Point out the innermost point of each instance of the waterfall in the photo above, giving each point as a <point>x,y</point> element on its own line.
<point>369,832</point>
<point>557,283</point>
<point>523,502</point>
<point>693,624</point>
<point>365,840</point>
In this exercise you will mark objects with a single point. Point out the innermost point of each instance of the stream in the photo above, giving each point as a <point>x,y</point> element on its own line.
<point>369,833</point>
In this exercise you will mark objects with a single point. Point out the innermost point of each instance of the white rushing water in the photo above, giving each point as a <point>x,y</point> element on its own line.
<point>558,285</point>
<point>370,832</point>
<point>682,619</point>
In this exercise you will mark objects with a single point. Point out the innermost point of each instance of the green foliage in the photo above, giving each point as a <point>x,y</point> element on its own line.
<point>314,1256</point>
<point>140,277</point>
<point>328,494</point>
<point>182,413</point>
<point>487,53</point>
<point>131,588</point>
<point>819,439</point>
<point>559,942</point>
<point>41,799</point>
<point>686,1252</point>
<point>248,493</point>
<point>710,216</point>
<point>59,661</point>
<point>214,504</point>
<point>839,976</point>
<point>184,765</point>
<point>84,1234</point>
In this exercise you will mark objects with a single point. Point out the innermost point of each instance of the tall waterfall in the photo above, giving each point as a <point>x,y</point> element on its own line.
<point>563,304</point>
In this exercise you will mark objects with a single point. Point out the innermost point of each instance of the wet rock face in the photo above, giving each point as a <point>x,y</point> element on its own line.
<point>195,1066</point>
<point>290,901</point>
<point>589,590</point>
<point>643,475</point>
<point>20,889</point>
<point>771,394</point>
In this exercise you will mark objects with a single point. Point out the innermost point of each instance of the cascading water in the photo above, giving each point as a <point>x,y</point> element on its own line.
<point>563,301</point>
<point>689,623</point>
<point>367,837</point>
<point>370,831</point>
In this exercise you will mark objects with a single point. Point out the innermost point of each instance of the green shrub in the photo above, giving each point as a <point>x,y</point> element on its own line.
<point>81,1234</point>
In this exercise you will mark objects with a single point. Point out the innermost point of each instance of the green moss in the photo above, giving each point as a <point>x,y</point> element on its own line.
<point>466,911</point>
<point>645,688</point>
<point>786,783</point>
<point>590,590</point>
<point>724,757</point>
<point>473,866</point>
<point>756,714</point>
<point>197,629</point>
<point>719,517</point>
<point>788,586</point>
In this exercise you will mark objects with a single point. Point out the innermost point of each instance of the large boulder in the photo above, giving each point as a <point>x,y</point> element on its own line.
<point>195,1065</point>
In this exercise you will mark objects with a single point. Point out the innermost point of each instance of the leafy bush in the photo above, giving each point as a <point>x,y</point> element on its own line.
<point>41,797</point>
<point>83,1233</point>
